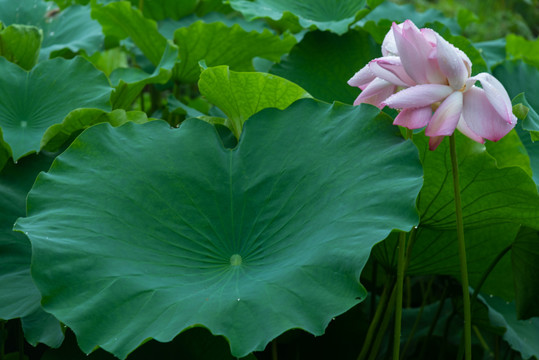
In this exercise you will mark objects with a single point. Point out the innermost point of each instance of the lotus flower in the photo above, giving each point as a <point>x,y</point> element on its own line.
<point>429,81</point>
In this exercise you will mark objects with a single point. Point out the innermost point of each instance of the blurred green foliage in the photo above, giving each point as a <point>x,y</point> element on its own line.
<point>483,20</point>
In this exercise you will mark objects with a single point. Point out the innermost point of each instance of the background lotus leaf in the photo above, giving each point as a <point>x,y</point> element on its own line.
<point>330,15</point>
<point>20,44</point>
<point>33,101</point>
<point>323,62</point>
<point>72,29</point>
<point>121,20</point>
<point>219,44</point>
<point>242,94</point>
<point>248,242</point>
<point>19,296</point>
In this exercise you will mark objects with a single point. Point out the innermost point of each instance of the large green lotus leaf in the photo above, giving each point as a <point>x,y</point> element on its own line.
<point>129,82</point>
<point>72,29</point>
<point>33,101</point>
<point>19,296</point>
<point>219,44</point>
<point>121,20</point>
<point>20,44</point>
<point>241,95</point>
<point>161,9</point>
<point>142,231</point>
<point>332,15</point>
<point>323,62</point>
<point>521,335</point>
<point>525,258</point>
<point>490,194</point>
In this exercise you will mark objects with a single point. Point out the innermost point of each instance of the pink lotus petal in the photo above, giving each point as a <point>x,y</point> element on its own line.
<point>434,141</point>
<point>429,35</point>
<point>390,69</point>
<point>414,118</point>
<point>418,96</point>
<point>362,78</point>
<point>416,55</point>
<point>462,126</point>
<point>451,63</point>
<point>375,93</point>
<point>482,117</point>
<point>446,117</point>
<point>497,96</point>
<point>389,47</point>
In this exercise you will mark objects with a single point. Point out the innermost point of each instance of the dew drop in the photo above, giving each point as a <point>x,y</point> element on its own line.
<point>26,233</point>
<point>51,33</point>
<point>24,124</point>
<point>333,319</point>
<point>238,299</point>
<point>491,295</point>
<point>236,260</point>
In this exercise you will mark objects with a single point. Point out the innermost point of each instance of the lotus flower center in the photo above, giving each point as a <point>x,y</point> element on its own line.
<point>235,260</point>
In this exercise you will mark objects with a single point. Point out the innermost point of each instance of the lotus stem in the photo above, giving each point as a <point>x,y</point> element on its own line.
<point>375,321</point>
<point>398,300</point>
<point>462,252</point>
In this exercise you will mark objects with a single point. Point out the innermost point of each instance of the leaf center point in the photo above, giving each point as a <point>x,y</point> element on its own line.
<point>236,260</point>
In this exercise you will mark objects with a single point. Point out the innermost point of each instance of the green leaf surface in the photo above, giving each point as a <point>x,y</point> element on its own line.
<point>218,44</point>
<point>493,51</point>
<point>241,95</point>
<point>518,77</point>
<point>378,21</point>
<point>525,258</point>
<point>72,29</point>
<point>129,82</point>
<point>323,62</point>
<point>121,20</point>
<point>20,44</point>
<point>435,252</point>
<point>33,101</point>
<point>42,327</point>
<point>161,9</point>
<point>521,48</point>
<point>522,335</point>
<point>81,119</point>
<point>19,296</point>
<point>185,232</point>
<point>167,27</point>
<point>490,194</point>
<point>332,15</point>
